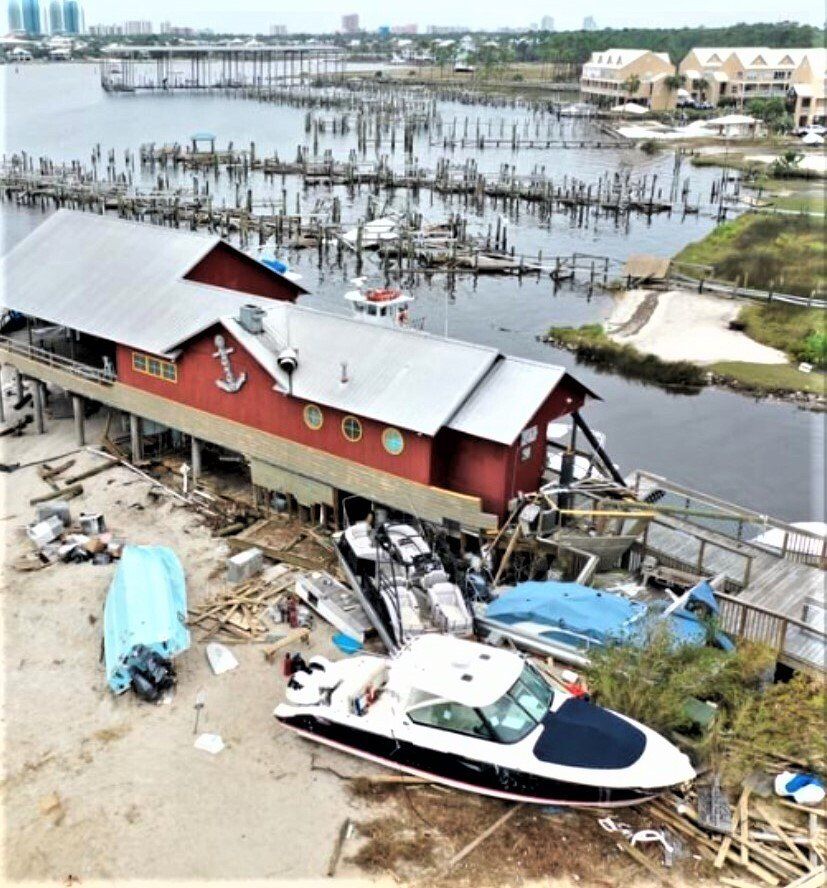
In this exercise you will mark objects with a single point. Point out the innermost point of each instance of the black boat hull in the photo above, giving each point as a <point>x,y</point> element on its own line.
<point>452,770</point>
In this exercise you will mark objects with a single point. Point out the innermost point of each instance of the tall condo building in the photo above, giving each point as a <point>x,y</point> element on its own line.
<point>15,16</point>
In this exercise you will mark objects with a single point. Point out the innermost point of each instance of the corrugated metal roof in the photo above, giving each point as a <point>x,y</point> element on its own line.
<point>406,378</point>
<point>122,281</point>
<point>504,402</point>
<point>400,377</point>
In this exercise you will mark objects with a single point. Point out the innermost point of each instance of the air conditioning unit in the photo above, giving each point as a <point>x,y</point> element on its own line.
<point>251,318</point>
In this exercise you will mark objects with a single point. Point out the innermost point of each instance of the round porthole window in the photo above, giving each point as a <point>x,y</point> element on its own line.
<point>351,428</point>
<point>393,441</point>
<point>313,417</point>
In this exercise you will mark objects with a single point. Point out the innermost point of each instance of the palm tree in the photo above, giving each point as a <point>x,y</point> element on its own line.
<point>632,85</point>
<point>674,81</point>
<point>700,84</point>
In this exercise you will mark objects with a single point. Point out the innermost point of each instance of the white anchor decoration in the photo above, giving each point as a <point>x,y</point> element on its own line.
<point>230,383</point>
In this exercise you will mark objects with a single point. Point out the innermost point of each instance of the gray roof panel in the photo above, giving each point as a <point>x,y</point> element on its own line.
<point>122,281</point>
<point>400,377</point>
<point>503,403</point>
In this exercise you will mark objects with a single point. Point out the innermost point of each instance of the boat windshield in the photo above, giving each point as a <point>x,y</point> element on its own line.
<point>521,708</point>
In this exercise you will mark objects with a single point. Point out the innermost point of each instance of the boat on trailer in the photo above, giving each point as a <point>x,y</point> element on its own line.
<point>403,586</point>
<point>480,719</point>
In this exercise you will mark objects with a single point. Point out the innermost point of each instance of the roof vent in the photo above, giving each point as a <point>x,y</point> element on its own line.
<point>251,318</point>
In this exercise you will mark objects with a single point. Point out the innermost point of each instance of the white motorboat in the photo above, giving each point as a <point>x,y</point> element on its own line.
<point>334,603</point>
<point>403,585</point>
<point>480,719</point>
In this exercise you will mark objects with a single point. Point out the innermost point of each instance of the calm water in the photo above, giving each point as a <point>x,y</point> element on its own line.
<point>762,454</point>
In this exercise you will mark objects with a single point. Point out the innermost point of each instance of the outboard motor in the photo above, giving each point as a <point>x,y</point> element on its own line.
<point>152,674</point>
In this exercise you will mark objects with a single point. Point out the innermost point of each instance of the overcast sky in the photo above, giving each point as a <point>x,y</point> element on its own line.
<point>325,15</point>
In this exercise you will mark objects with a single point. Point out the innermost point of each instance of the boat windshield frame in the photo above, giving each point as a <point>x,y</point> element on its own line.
<point>529,677</point>
<point>525,686</point>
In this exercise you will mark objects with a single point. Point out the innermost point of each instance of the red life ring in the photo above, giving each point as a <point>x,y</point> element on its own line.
<point>383,295</point>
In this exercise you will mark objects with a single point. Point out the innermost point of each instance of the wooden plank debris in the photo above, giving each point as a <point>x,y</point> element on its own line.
<point>241,613</point>
<point>471,846</point>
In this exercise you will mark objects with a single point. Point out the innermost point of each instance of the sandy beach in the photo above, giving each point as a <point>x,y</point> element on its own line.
<point>678,325</point>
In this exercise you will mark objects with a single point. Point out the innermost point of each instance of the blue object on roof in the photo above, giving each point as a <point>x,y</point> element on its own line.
<point>202,137</point>
<point>601,615</point>
<point>275,265</point>
<point>146,606</point>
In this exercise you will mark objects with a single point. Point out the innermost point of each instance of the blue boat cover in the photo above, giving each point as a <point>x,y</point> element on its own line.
<point>601,615</point>
<point>582,735</point>
<point>146,605</point>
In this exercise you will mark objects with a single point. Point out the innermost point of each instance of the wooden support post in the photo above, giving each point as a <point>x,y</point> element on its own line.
<point>37,400</point>
<point>77,410</point>
<point>195,458</point>
<point>136,444</point>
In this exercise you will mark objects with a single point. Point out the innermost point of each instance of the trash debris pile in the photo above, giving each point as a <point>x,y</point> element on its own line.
<point>57,537</point>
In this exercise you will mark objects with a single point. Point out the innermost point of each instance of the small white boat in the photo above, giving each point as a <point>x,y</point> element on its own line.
<point>334,603</point>
<point>483,720</point>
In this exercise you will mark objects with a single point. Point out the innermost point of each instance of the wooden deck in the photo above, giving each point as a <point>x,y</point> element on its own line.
<point>773,585</point>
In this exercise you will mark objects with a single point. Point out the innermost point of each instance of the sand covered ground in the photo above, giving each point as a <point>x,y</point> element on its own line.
<point>679,325</point>
<point>136,800</point>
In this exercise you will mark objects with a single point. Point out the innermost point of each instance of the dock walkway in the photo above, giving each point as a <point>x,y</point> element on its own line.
<point>775,585</point>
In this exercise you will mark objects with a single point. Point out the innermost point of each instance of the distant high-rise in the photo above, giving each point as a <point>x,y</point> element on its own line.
<point>71,17</point>
<point>350,23</point>
<point>15,16</point>
<point>56,17</point>
<point>589,24</point>
<point>278,30</point>
<point>31,17</point>
<point>547,23</point>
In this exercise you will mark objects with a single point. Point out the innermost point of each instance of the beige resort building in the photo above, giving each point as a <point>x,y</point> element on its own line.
<point>738,74</point>
<point>606,78</point>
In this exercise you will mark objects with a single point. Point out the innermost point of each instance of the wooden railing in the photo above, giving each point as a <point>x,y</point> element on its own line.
<point>751,622</point>
<point>797,544</point>
<point>42,356</point>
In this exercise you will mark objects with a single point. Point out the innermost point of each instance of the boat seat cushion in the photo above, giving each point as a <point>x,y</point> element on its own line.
<point>582,735</point>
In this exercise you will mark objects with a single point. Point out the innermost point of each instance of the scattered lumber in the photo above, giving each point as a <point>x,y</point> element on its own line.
<point>243,613</point>
<point>639,857</point>
<point>344,829</point>
<point>63,493</point>
<point>297,636</point>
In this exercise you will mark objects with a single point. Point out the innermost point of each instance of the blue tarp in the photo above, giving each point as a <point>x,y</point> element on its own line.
<point>146,605</point>
<point>600,615</point>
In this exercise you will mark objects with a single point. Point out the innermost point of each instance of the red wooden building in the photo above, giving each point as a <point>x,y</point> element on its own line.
<point>205,339</point>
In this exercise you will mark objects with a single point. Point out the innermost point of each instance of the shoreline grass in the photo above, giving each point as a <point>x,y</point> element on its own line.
<point>784,253</point>
<point>591,345</point>
<point>770,379</point>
